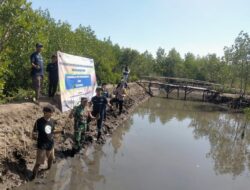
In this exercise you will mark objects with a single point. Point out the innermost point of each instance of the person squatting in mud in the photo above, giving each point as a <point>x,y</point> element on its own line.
<point>99,103</point>
<point>80,114</point>
<point>44,130</point>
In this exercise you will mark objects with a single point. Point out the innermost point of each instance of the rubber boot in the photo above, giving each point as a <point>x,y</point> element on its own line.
<point>77,140</point>
<point>99,135</point>
<point>87,127</point>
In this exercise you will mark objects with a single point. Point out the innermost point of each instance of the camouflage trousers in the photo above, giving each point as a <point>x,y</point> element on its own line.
<point>79,134</point>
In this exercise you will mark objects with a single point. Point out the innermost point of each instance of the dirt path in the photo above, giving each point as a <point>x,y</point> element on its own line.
<point>18,151</point>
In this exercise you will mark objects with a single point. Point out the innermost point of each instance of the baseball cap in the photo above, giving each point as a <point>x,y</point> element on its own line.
<point>39,45</point>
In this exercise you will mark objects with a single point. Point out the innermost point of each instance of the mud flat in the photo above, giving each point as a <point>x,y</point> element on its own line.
<point>18,150</point>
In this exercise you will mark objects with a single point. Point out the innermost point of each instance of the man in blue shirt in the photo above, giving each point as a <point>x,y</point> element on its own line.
<point>37,70</point>
<point>99,103</point>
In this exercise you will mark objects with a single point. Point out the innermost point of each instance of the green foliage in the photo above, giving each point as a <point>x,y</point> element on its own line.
<point>16,28</point>
<point>21,28</point>
<point>17,96</point>
<point>238,56</point>
<point>22,94</point>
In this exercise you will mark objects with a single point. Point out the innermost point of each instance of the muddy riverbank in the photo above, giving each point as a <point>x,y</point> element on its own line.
<point>17,155</point>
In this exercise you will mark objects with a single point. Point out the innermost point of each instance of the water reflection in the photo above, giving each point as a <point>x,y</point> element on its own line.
<point>229,140</point>
<point>92,174</point>
<point>117,138</point>
<point>165,110</point>
<point>78,173</point>
<point>228,134</point>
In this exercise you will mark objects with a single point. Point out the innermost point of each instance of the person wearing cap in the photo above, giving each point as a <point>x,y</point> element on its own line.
<point>99,103</point>
<point>43,131</point>
<point>52,69</point>
<point>80,114</point>
<point>37,72</point>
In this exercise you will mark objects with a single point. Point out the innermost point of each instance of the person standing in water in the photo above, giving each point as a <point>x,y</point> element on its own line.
<point>99,103</point>
<point>44,130</point>
<point>80,114</point>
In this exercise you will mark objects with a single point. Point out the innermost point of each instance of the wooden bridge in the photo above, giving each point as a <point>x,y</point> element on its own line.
<point>187,86</point>
<point>208,91</point>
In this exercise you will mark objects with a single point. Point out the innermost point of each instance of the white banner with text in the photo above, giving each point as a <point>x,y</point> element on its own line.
<point>77,79</point>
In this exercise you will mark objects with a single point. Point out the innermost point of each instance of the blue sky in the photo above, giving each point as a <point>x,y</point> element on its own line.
<point>197,26</point>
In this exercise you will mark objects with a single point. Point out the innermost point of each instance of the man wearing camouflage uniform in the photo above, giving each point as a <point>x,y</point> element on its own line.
<point>80,114</point>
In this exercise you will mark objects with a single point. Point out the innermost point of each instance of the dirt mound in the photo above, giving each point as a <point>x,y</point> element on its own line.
<point>18,150</point>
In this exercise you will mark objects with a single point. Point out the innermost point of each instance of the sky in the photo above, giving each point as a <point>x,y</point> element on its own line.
<point>197,26</point>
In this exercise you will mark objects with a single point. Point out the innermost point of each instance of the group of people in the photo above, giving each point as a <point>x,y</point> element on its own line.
<point>37,73</point>
<point>96,109</point>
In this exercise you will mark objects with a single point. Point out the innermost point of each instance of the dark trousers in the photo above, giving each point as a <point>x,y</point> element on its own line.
<point>105,113</point>
<point>114,100</point>
<point>79,132</point>
<point>118,103</point>
<point>52,87</point>
<point>100,115</point>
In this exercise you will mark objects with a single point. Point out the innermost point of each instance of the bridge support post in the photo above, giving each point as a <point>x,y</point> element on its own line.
<point>149,89</point>
<point>167,91</point>
<point>178,92</point>
<point>185,96</point>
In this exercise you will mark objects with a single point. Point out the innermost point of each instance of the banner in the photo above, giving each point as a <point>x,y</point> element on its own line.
<point>76,79</point>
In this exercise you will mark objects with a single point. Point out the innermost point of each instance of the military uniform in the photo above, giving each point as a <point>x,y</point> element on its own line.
<point>80,114</point>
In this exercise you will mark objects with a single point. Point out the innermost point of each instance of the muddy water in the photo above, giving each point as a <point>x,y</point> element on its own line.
<point>166,144</point>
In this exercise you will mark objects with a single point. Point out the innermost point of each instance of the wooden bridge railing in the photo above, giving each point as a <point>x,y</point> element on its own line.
<point>186,82</point>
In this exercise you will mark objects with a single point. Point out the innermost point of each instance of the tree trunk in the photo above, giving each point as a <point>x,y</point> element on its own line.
<point>246,78</point>
<point>241,78</point>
